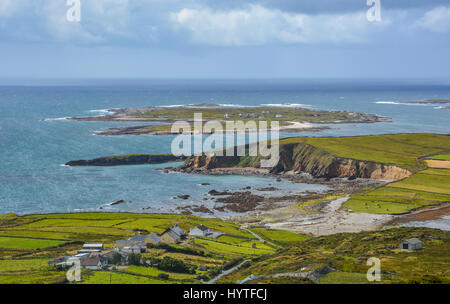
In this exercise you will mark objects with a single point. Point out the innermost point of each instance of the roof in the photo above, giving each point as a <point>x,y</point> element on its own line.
<point>123,242</point>
<point>91,261</point>
<point>177,230</point>
<point>92,245</point>
<point>138,238</point>
<point>172,234</point>
<point>139,246</point>
<point>413,241</point>
<point>155,237</point>
<point>202,228</point>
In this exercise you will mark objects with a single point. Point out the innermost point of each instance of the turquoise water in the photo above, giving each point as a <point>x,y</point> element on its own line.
<point>32,147</point>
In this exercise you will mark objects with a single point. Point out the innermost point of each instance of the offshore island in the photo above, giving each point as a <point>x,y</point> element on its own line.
<point>291,119</point>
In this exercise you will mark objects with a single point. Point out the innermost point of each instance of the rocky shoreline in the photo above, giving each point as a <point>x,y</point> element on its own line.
<point>297,158</point>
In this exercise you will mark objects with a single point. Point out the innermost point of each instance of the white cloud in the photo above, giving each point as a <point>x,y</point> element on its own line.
<point>258,25</point>
<point>436,20</point>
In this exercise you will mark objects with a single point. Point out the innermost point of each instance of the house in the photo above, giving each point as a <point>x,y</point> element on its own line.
<point>278,116</point>
<point>170,237</point>
<point>94,262</point>
<point>204,231</point>
<point>411,244</point>
<point>226,116</point>
<point>136,248</point>
<point>178,231</point>
<point>173,235</point>
<point>200,231</point>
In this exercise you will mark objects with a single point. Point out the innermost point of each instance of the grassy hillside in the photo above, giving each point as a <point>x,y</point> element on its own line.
<point>403,150</point>
<point>348,253</point>
<point>27,243</point>
<point>426,187</point>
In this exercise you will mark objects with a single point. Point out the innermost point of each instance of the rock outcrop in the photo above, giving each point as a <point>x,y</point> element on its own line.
<point>131,159</point>
<point>303,158</point>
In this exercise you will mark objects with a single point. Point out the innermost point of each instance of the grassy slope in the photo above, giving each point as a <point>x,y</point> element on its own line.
<point>348,253</point>
<point>27,243</point>
<point>427,187</point>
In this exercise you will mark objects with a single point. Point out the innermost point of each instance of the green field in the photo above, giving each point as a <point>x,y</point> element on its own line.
<point>344,278</point>
<point>33,240</point>
<point>441,157</point>
<point>223,248</point>
<point>281,237</point>
<point>26,243</point>
<point>429,187</point>
<point>425,187</point>
<point>109,277</point>
<point>404,150</point>
<point>28,271</point>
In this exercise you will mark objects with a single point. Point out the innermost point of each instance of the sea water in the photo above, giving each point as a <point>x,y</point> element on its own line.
<point>36,140</point>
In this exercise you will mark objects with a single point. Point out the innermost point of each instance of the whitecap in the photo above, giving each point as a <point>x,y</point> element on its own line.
<point>287,105</point>
<point>102,111</point>
<point>56,119</point>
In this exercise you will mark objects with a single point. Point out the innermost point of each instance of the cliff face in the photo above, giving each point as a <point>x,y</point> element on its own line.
<point>304,158</point>
<point>133,159</point>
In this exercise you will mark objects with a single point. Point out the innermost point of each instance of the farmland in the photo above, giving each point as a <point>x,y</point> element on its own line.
<point>27,243</point>
<point>426,187</point>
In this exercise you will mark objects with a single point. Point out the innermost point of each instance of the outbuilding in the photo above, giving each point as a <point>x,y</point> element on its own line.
<point>411,244</point>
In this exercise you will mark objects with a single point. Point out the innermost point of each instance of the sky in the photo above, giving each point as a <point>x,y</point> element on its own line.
<point>225,39</point>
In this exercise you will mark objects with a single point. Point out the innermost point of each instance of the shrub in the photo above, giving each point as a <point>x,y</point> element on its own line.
<point>134,259</point>
<point>172,265</point>
<point>163,276</point>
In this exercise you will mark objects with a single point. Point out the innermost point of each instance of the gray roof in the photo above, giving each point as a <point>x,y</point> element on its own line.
<point>177,230</point>
<point>90,261</point>
<point>123,242</point>
<point>155,237</point>
<point>413,241</point>
<point>202,228</point>
<point>173,234</point>
<point>138,238</point>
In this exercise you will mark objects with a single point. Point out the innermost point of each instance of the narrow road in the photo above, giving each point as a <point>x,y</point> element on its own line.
<point>259,238</point>
<point>254,234</point>
<point>227,272</point>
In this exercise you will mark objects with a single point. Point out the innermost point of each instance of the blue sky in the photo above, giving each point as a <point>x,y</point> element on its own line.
<point>225,39</point>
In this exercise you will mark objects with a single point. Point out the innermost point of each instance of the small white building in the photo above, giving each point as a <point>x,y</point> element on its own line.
<point>200,231</point>
<point>93,246</point>
<point>136,248</point>
<point>411,244</point>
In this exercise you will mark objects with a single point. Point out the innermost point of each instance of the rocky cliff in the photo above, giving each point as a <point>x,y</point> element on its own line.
<point>131,159</point>
<point>303,158</point>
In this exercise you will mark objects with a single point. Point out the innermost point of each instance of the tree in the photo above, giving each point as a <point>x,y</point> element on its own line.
<point>134,259</point>
<point>116,258</point>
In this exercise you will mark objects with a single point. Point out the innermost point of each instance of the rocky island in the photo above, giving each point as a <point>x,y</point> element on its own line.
<point>129,159</point>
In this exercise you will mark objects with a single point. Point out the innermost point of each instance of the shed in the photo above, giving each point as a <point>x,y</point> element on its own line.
<point>411,244</point>
<point>93,246</point>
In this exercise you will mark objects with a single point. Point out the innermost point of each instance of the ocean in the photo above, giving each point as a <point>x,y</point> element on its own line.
<point>35,139</point>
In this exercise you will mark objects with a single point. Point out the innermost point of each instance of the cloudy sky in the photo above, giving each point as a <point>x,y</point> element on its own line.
<point>225,39</point>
